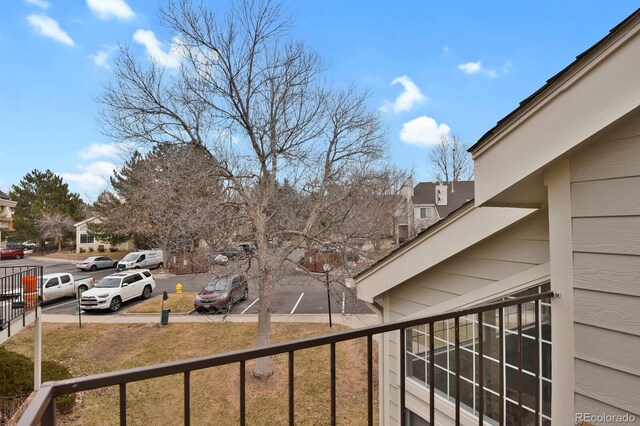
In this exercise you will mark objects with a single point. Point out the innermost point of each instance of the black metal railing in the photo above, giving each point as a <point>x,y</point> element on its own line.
<point>42,408</point>
<point>20,293</point>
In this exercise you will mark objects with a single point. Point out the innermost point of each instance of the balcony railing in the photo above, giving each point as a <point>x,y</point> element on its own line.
<point>20,293</point>
<point>42,408</point>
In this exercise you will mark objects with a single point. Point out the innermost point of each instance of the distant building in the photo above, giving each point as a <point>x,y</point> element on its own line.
<point>6,213</point>
<point>86,241</point>
<point>427,203</point>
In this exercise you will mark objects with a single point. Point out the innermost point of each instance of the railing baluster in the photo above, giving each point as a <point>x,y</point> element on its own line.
<point>123,404</point>
<point>480,368</point>
<point>537,362</point>
<point>243,399</point>
<point>291,388</point>
<point>501,364</point>
<point>432,375</point>
<point>403,348</point>
<point>370,380</point>
<point>520,363</point>
<point>187,398</point>
<point>456,322</point>
<point>333,383</point>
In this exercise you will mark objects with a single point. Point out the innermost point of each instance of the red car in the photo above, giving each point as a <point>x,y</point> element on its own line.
<point>221,293</point>
<point>12,253</point>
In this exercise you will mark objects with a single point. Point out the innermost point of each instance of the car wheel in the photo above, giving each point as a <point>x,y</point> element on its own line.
<point>116,303</point>
<point>245,294</point>
<point>17,256</point>
<point>160,265</point>
<point>93,268</point>
<point>146,292</point>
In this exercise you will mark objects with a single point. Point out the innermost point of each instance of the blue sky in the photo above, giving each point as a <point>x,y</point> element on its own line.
<point>432,68</point>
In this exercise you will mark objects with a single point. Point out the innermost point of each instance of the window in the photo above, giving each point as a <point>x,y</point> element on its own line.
<point>417,361</point>
<point>427,213</point>
<point>146,273</point>
<point>412,419</point>
<point>65,279</point>
<point>86,239</point>
<point>423,212</point>
<point>52,283</point>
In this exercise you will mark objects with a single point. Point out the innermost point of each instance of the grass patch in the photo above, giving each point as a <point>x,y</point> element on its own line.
<point>97,348</point>
<point>178,303</point>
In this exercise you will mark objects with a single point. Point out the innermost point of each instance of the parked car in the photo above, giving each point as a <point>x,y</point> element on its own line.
<point>141,259</point>
<point>12,252</point>
<point>96,262</point>
<point>232,253</point>
<point>220,294</point>
<point>115,289</point>
<point>30,245</point>
<point>248,248</point>
<point>53,286</point>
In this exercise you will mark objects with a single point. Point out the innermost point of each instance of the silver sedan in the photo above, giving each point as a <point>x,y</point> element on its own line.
<point>96,262</point>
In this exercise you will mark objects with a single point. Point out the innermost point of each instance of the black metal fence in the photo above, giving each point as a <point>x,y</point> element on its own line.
<point>20,293</point>
<point>42,408</point>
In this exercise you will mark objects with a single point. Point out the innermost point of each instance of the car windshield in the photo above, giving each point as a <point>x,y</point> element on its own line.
<point>108,282</point>
<point>130,257</point>
<point>218,285</point>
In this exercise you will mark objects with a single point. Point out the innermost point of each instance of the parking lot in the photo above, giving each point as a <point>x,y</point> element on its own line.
<point>296,293</point>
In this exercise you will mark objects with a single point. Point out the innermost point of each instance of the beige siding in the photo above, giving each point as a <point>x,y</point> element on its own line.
<point>605,204</point>
<point>516,249</point>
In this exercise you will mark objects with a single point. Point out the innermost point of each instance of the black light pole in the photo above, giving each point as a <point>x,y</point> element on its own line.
<point>327,268</point>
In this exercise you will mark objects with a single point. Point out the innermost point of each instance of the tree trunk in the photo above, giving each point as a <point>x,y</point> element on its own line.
<point>262,368</point>
<point>59,246</point>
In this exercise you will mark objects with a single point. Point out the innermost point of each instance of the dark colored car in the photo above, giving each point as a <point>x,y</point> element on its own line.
<point>232,253</point>
<point>12,253</point>
<point>221,293</point>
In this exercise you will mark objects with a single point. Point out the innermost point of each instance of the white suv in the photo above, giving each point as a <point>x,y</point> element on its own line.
<point>111,291</point>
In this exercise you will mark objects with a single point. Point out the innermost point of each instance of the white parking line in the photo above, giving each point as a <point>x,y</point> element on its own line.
<point>247,308</point>
<point>297,303</point>
<point>61,304</point>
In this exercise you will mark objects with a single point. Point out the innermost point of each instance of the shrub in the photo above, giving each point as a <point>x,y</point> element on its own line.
<point>17,373</point>
<point>82,250</point>
<point>113,249</point>
<point>90,249</point>
<point>101,248</point>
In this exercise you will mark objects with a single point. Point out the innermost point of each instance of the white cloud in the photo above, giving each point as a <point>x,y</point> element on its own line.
<point>107,9</point>
<point>101,57</point>
<point>90,179</point>
<point>407,99</point>
<point>38,3</point>
<point>155,48</point>
<point>50,28</point>
<point>471,67</point>
<point>423,131</point>
<point>104,150</point>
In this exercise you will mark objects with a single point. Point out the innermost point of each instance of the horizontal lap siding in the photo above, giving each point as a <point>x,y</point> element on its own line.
<point>605,204</point>
<point>508,253</point>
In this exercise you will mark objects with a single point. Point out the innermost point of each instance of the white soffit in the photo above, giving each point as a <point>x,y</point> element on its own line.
<point>457,234</point>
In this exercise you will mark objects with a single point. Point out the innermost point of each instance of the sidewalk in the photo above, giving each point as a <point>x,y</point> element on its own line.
<point>351,320</point>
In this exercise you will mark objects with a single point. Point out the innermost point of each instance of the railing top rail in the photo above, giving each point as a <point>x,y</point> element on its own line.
<point>61,387</point>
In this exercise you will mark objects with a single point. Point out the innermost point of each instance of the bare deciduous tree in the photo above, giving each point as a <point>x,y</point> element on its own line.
<point>290,153</point>
<point>54,226</point>
<point>451,160</point>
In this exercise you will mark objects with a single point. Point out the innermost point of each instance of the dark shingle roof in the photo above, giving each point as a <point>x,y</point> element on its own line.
<point>4,196</point>
<point>425,193</point>
<point>552,80</point>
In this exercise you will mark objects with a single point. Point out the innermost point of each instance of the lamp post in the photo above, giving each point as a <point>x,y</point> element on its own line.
<point>327,268</point>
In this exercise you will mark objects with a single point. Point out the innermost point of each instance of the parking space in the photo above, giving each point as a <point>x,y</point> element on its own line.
<point>297,293</point>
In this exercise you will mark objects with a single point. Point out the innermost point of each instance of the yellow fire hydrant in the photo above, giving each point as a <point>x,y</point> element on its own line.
<point>178,288</point>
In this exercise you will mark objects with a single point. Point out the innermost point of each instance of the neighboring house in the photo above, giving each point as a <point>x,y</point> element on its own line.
<point>557,206</point>
<point>86,241</point>
<point>6,213</point>
<point>427,203</point>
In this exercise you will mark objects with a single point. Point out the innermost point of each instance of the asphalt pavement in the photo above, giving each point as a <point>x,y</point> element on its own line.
<point>296,293</point>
